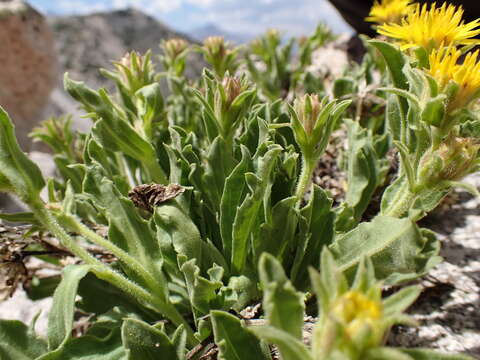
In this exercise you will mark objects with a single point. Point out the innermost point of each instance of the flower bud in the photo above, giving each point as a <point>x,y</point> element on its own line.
<point>218,53</point>
<point>359,316</point>
<point>233,87</point>
<point>174,47</point>
<point>273,37</point>
<point>215,46</point>
<point>452,161</point>
<point>308,110</point>
<point>135,70</point>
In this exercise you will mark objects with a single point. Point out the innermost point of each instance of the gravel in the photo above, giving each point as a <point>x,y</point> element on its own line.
<point>447,311</point>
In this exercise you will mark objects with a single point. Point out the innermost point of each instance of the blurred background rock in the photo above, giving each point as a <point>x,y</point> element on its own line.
<point>29,65</point>
<point>37,51</point>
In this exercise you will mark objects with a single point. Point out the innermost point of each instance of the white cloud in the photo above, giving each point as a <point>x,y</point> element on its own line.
<point>238,16</point>
<point>254,16</point>
<point>79,6</point>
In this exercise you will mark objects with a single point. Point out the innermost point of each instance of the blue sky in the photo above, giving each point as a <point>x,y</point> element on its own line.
<point>294,17</point>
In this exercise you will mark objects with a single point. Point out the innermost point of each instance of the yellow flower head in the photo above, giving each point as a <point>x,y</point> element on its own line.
<point>389,11</point>
<point>445,67</point>
<point>431,27</point>
<point>355,311</point>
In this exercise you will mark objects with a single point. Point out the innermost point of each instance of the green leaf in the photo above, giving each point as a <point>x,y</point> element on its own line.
<point>127,229</point>
<point>247,213</point>
<point>121,136</point>
<point>184,235</point>
<point>320,232</point>
<point>395,60</point>
<point>434,110</point>
<point>145,342</point>
<point>98,296</point>
<point>88,347</point>
<point>60,319</point>
<point>17,343</point>
<point>329,283</point>
<point>394,245</point>
<point>234,341</point>
<point>290,347</point>
<point>426,354</point>
<point>17,171</point>
<point>284,307</point>
<point>385,353</point>
<point>363,171</point>
<point>427,200</point>
<point>219,164</point>
<point>401,300</point>
<point>74,175</point>
<point>40,288</point>
<point>397,107</point>
<point>344,86</point>
<point>406,163</point>
<point>232,195</point>
<point>202,292</point>
<point>22,217</point>
<point>150,105</point>
<point>278,233</point>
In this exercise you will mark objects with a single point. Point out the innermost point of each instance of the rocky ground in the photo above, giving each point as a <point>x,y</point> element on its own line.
<point>449,308</point>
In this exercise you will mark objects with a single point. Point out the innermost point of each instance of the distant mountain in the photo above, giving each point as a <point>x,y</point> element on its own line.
<point>213,30</point>
<point>86,43</point>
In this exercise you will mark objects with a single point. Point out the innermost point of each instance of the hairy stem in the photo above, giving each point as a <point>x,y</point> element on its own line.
<point>104,272</point>
<point>121,254</point>
<point>305,179</point>
<point>401,203</point>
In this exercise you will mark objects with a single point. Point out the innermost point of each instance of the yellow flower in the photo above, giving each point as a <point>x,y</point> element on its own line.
<point>355,311</point>
<point>431,27</point>
<point>445,67</point>
<point>389,11</point>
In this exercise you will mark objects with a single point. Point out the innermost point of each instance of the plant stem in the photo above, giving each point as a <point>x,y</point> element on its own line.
<point>305,179</point>
<point>401,203</point>
<point>121,254</point>
<point>104,272</point>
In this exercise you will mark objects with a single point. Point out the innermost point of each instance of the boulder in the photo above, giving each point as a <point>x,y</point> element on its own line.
<point>29,65</point>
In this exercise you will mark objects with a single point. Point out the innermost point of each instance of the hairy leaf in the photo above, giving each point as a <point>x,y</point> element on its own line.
<point>235,342</point>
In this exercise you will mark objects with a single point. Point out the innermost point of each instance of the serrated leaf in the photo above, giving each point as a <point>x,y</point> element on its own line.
<point>320,220</point>
<point>284,307</point>
<point>202,292</point>
<point>363,169</point>
<point>278,234</point>
<point>234,341</point>
<point>246,216</point>
<point>231,197</point>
